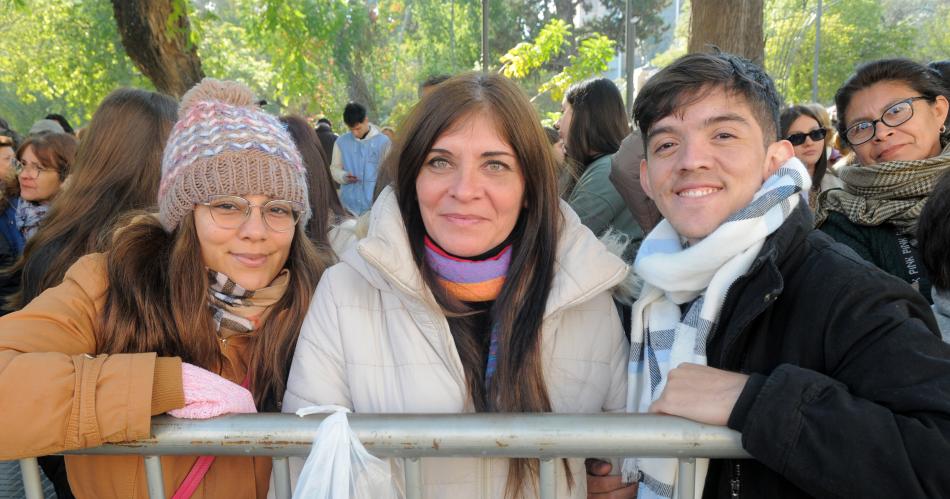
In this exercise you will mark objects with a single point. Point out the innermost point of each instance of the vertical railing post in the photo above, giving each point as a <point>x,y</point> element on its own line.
<point>413,469</point>
<point>30,471</point>
<point>281,467</point>
<point>548,482</point>
<point>153,475</point>
<point>686,482</point>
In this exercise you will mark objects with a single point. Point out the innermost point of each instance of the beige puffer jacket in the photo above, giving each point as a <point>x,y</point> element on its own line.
<point>375,341</point>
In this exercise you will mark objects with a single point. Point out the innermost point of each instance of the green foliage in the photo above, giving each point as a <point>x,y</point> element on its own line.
<point>593,54</point>
<point>852,31</point>
<point>61,56</point>
<point>526,57</point>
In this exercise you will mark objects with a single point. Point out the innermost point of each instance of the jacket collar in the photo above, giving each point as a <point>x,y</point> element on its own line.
<point>583,266</point>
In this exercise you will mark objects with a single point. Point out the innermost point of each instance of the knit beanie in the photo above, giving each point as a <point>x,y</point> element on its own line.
<point>223,144</point>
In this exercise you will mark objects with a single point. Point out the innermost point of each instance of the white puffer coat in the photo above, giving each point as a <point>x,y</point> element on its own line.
<point>376,341</point>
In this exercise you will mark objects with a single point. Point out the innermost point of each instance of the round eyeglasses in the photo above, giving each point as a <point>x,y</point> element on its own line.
<point>815,135</point>
<point>896,115</point>
<point>230,212</point>
<point>29,171</point>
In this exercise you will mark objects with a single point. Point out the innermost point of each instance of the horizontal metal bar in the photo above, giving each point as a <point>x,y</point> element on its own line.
<point>443,435</point>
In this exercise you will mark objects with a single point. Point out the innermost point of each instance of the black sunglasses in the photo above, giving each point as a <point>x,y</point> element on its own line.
<point>816,135</point>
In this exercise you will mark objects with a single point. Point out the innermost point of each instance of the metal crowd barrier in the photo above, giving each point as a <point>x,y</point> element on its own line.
<point>544,436</point>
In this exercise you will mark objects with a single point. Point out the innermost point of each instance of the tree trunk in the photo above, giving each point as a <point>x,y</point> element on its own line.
<point>734,26</point>
<point>158,47</point>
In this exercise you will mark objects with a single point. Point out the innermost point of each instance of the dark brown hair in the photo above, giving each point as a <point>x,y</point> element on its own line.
<point>788,117</point>
<point>925,81</point>
<point>599,121</point>
<point>933,233</point>
<point>117,169</point>
<point>157,301</point>
<point>323,196</point>
<point>691,77</point>
<point>518,384</point>
<point>52,149</point>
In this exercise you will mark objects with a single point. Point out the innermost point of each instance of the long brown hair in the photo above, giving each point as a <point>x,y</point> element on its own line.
<point>518,384</point>
<point>599,122</point>
<point>157,302</point>
<point>323,197</point>
<point>117,169</point>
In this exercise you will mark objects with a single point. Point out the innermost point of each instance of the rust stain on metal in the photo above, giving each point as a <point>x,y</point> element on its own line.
<point>501,444</point>
<point>435,444</point>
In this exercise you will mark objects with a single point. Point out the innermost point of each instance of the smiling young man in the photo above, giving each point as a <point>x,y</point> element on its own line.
<point>831,369</point>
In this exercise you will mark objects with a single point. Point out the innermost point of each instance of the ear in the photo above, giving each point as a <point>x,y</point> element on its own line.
<point>644,182</point>
<point>940,108</point>
<point>776,155</point>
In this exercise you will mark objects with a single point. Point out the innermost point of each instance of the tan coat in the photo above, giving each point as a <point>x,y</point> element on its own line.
<point>375,341</point>
<point>57,396</point>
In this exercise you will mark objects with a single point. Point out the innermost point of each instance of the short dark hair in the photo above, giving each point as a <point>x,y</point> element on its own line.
<point>691,77</point>
<point>324,120</point>
<point>943,69</point>
<point>925,81</point>
<point>353,113</point>
<point>599,123</point>
<point>62,122</point>
<point>933,233</point>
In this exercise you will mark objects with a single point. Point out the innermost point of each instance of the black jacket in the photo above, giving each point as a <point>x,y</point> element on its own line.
<point>849,394</point>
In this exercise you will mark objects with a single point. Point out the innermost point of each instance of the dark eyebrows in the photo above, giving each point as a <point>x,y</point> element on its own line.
<point>725,118</point>
<point>714,120</point>
<point>484,154</point>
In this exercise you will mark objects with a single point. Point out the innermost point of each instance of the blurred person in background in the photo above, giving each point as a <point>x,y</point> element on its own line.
<point>593,124</point>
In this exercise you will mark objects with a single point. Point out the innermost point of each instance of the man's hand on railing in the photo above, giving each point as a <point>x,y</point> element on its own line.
<point>602,485</point>
<point>701,393</point>
<point>208,395</point>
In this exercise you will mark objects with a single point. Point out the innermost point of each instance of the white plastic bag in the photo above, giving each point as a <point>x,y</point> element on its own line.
<point>339,466</point>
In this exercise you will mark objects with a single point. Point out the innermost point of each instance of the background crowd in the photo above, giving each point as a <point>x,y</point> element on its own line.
<point>164,256</point>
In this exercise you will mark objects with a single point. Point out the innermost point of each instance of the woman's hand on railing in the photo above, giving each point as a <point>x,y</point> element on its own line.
<point>208,395</point>
<point>602,485</point>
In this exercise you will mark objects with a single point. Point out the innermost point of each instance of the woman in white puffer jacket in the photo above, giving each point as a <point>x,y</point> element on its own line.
<point>474,290</point>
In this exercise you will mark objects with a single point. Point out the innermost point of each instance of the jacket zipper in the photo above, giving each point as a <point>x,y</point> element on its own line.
<point>735,483</point>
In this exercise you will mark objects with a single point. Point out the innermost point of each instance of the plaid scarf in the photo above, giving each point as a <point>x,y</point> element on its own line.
<point>891,192</point>
<point>29,215</point>
<point>697,277</point>
<point>472,281</point>
<point>237,310</point>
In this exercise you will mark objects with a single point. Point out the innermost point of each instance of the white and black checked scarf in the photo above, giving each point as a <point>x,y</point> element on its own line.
<point>225,295</point>
<point>697,278</point>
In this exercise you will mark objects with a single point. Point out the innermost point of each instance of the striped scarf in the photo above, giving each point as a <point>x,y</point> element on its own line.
<point>698,277</point>
<point>891,192</point>
<point>237,310</point>
<point>472,281</point>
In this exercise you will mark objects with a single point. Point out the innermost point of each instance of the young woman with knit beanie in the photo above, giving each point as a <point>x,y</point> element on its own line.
<point>194,313</point>
<point>474,290</point>
<point>893,113</point>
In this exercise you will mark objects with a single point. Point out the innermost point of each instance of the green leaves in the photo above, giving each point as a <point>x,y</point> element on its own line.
<point>593,54</point>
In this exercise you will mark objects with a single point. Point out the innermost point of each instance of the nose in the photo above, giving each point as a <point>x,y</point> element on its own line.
<point>881,130</point>
<point>694,155</point>
<point>253,226</point>
<point>465,184</point>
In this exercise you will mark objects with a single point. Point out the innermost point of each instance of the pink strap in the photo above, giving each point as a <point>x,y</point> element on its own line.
<point>198,470</point>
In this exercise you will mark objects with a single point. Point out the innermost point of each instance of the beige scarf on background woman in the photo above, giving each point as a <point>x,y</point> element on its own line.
<point>892,192</point>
